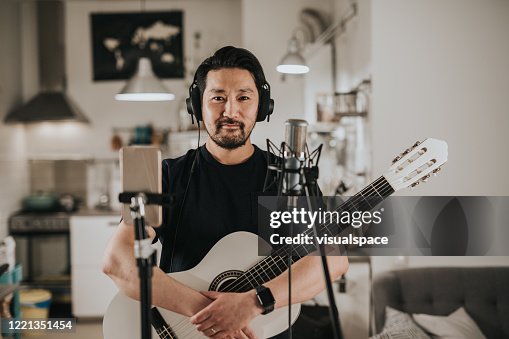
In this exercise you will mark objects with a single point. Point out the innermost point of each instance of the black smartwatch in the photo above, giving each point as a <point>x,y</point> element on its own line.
<point>265,298</point>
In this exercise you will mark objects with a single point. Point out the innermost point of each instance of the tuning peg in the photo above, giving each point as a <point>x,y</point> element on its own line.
<point>436,170</point>
<point>425,178</point>
<point>417,143</point>
<point>396,159</point>
<point>414,184</point>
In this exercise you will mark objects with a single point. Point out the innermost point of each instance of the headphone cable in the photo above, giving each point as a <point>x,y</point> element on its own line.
<point>185,196</point>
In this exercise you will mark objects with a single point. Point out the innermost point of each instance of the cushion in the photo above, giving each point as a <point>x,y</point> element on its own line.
<point>399,325</point>
<point>456,325</point>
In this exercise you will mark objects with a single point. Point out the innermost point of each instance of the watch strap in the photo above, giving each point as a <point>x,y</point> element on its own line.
<point>265,298</point>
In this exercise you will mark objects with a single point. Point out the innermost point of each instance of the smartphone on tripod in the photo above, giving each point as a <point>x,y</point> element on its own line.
<point>140,171</point>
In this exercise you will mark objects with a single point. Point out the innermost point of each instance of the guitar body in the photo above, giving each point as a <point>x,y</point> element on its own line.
<point>231,256</point>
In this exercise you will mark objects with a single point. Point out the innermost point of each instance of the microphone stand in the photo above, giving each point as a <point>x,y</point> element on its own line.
<point>310,177</point>
<point>291,203</point>
<point>143,250</point>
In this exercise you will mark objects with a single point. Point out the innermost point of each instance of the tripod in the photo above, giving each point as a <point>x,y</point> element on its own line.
<point>143,251</point>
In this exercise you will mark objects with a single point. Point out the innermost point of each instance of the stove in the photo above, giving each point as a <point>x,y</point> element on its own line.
<point>39,223</point>
<point>43,249</point>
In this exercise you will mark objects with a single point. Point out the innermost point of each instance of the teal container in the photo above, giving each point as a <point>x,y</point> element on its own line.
<point>12,276</point>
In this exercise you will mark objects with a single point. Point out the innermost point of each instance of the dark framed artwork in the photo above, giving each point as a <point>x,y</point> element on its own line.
<point>120,39</point>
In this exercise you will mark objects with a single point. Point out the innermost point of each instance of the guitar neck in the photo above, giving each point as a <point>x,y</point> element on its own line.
<point>275,264</point>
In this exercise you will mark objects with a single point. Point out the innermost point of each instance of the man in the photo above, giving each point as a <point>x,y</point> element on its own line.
<point>216,186</point>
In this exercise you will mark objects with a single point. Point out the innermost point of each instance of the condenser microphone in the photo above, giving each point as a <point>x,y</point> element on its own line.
<point>294,156</point>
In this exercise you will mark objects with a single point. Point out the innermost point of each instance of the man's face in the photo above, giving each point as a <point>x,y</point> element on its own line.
<point>230,105</point>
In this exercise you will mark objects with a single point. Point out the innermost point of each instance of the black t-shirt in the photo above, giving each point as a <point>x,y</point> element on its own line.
<point>221,199</point>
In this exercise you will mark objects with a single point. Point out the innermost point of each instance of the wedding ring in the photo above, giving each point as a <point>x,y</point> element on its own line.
<point>213,330</point>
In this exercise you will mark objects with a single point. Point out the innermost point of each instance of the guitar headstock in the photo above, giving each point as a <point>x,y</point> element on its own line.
<point>417,163</point>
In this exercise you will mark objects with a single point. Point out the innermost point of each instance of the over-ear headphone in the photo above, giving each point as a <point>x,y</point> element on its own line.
<point>265,105</point>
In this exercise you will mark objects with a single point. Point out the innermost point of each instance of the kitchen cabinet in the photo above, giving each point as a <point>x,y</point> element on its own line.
<point>92,290</point>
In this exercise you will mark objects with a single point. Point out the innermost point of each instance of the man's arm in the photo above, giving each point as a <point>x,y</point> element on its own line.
<point>231,311</point>
<point>119,263</point>
<point>307,279</point>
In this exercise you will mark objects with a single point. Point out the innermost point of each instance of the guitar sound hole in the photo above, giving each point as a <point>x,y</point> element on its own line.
<point>223,282</point>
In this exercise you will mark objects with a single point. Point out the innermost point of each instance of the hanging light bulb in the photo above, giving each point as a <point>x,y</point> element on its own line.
<point>293,62</point>
<point>144,85</point>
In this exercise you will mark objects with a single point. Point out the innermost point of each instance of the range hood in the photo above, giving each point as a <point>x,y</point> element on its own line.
<point>51,103</point>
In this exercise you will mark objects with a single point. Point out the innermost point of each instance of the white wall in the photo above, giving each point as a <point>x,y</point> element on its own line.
<point>267,26</point>
<point>220,24</point>
<point>441,69</point>
<point>354,56</point>
<point>13,164</point>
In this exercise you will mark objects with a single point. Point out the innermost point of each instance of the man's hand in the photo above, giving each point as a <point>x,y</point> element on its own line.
<point>245,333</point>
<point>228,316</point>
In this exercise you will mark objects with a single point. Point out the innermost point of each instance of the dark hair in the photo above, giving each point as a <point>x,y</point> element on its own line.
<point>231,57</point>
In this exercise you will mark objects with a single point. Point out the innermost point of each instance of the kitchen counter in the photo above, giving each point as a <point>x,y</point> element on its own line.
<point>51,222</point>
<point>98,212</point>
<point>82,212</point>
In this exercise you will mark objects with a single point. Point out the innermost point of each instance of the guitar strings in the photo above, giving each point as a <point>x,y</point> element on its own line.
<point>379,186</point>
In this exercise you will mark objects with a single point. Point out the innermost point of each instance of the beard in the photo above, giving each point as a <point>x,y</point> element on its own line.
<point>229,138</point>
